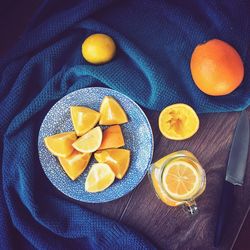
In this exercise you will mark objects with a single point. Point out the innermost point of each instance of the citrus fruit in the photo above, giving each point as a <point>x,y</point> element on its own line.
<point>112,138</point>
<point>90,141</point>
<point>98,48</point>
<point>181,180</point>
<point>75,163</point>
<point>161,193</point>
<point>60,144</point>
<point>178,122</point>
<point>216,67</point>
<point>117,159</point>
<point>83,119</point>
<point>100,177</point>
<point>156,176</point>
<point>111,112</point>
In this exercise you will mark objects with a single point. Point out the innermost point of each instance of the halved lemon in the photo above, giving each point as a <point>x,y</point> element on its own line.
<point>181,180</point>
<point>75,164</point>
<point>61,144</point>
<point>90,141</point>
<point>112,112</point>
<point>178,122</point>
<point>83,119</point>
<point>100,177</point>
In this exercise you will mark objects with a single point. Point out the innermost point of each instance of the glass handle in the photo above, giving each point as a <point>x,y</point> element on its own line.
<point>190,207</point>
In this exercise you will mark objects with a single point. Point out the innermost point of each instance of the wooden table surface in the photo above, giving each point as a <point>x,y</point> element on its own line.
<point>144,212</point>
<point>140,209</point>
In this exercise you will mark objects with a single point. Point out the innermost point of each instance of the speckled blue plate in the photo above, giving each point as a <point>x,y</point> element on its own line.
<point>137,134</point>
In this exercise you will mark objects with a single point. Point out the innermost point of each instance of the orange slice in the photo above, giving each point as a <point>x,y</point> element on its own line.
<point>111,112</point>
<point>90,141</point>
<point>75,164</point>
<point>117,159</point>
<point>112,138</point>
<point>181,180</point>
<point>60,144</point>
<point>99,178</point>
<point>178,122</point>
<point>83,119</point>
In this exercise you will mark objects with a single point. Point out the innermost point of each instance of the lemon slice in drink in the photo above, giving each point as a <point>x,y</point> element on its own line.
<point>181,180</point>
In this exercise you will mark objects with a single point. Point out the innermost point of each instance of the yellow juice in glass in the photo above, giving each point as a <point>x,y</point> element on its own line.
<point>178,179</point>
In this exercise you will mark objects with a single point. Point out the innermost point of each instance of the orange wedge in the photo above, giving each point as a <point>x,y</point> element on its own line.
<point>117,159</point>
<point>111,112</point>
<point>83,119</point>
<point>75,164</point>
<point>181,180</point>
<point>100,177</point>
<point>112,138</point>
<point>60,144</point>
<point>90,141</point>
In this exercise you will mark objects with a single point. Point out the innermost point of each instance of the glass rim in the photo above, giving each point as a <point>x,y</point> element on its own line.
<point>192,159</point>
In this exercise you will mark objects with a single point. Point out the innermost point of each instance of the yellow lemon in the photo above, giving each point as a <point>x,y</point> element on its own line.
<point>83,119</point>
<point>178,122</point>
<point>75,164</point>
<point>90,141</point>
<point>112,112</point>
<point>98,48</point>
<point>181,180</point>
<point>100,177</point>
<point>60,144</point>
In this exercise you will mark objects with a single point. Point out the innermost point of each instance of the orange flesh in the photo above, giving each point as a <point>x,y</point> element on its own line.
<point>112,138</point>
<point>61,144</point>
<point>75,164</point>
<point>117,159</point>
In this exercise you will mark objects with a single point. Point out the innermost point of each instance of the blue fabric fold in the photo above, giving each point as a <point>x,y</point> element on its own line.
<point>155,40</point>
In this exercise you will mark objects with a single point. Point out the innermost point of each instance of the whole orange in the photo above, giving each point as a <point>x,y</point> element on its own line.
<point>216,67</point>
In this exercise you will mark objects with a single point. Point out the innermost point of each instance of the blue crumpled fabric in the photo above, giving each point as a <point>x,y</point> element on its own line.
<point>155,40</point>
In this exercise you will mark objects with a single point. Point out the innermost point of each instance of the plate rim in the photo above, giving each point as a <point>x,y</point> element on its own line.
<point>146,168</point>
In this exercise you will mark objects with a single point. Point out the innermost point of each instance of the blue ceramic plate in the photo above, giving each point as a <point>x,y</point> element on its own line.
<point>137,134</point>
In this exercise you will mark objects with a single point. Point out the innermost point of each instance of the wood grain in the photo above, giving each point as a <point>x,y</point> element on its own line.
<point>171,228</point>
